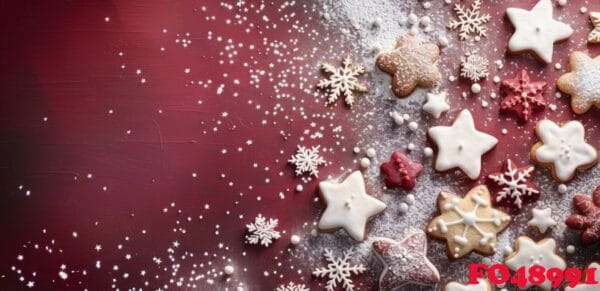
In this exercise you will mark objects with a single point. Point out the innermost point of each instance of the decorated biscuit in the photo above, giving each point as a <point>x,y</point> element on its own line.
<point>582,82</point>
<point>523,96</point>
<point>588,218</point>
<point>468,224</point>
<point>411,64</point>
<point>400,172</point>
<point>563,149</point>
<point>514,185</point>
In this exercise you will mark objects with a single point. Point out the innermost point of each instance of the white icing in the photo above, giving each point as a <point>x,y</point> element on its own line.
<point>588,287</point>
<point>482,285</point>
<point>583,82</point>
<point>514,183</point>
<point>530,253</point>
<point>461,145</point>
<point>594,36</point>
<point>564,147</point>
<point>542,219</point>
<point>536,31</point>
<point>348,206</point>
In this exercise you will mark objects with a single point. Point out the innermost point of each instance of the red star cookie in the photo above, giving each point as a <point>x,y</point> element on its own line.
<point>400,171</point>
<point>589,218</point>
<point>405,262</point>
<point>524,97</point>
<point>514,185</point>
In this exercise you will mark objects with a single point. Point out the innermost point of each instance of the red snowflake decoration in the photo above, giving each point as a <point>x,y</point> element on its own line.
<point>523,96</point>
<point>589,218</point>
<point>514,184</point>
<point>400,171</point>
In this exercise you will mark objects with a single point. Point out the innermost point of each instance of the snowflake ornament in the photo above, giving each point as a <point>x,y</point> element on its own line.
<point>262,231</point>
<point>474,67</point>
<point>524,96</point>
<point>339,270</point>
<point>291,286</point>
<point>470,20</point>
<point>514,183</point>
<point>342,82</point>
<point>307,161</point>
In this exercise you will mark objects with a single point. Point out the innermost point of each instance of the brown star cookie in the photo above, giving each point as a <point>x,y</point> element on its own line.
<point>411,64</point>
<point>468,224</point>
<point>582,82</point>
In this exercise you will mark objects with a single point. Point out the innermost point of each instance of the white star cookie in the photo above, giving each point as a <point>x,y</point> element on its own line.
<point>588,287</point>
<point>529,253</point>
<point>348,206</point>
<point>542,219</point>
<point>563,149</point>
<point>436,104</point>
<point>461,145</point>
<point>536,31</point>
<point>482,285</point>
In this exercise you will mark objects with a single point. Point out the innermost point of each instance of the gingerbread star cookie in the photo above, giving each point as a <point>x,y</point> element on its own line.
<point>348,206</point>
<point>536,31</point>
<point>588,218</point>
<point>461,145</point>
<point>468,224</point>
<point>594,36</point>
<point>482,285</point>
<point>524,97</point>
<point>563,149</point>
<point>400,172</point>
<point>582,82</point>
<point>405,262</point>
<point>529,253</point>
<point>411,64</point>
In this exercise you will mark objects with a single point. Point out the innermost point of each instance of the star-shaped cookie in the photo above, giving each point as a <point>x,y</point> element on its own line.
<point>348,206</point>
<point>594,36</point>
<point>468,224</point>
<point>588,218</point>
<point>461,145</point>
<point>411,64</point>
<point>405,262</point>
<point>542,219</point>
<point>400,172</point>
<point>436,104</point>
<point>536,31</point>
<point>581,82</point>
<point>529,253</point>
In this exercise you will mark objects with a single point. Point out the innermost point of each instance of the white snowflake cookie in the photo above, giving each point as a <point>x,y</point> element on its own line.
<point>348,206</point>
<point>307,161</point>
<point>563,149</point>
<point>461,145</point>
<point>262,231</point>
<point>536,31</point>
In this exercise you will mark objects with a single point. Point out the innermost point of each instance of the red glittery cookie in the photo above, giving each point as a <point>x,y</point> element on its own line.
<point>400,172</point>
<point>589,218</point>
<point>524,97</point>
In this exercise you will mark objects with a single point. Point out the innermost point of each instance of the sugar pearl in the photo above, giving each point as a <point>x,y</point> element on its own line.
<point>504,131</point>
<point>558,66</point>
<point>228,270</point>
<point>562,188</point>
<point>425,21</point>
<point>562,2</point>
<point>295,239</point>
<point>570,249</point>
<point>410,199</point>
<point>356,150</point>
<point>299,188</point>
<point>476,88</point>
<point>583,10</point>
<point>410,146</point>
<point>413,126</point>
<point>365,163</point>
<point>412,19</point>
<point>496,79</point>
<point>398,119</point>
<point>428,152</point>
<point>443,41</point>
<point>403,208</point>
<point>371,153</point>
<point>406,116</point>
<point>507,251</point>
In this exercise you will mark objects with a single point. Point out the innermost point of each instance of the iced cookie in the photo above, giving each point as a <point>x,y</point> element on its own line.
<point>482,285</point>
<point>523,96</point>
<point>411,64</point>
<point>536,31</point>
<point>582,82</point>
<point>588,219</point>
<point>468,224</point>
<point>400,172</point>
<point>563,149</point>
<point>461,145</point>
<point>348,206</point>
<point>514,185</point>
<point>529,253</point>
<point>342,82</point>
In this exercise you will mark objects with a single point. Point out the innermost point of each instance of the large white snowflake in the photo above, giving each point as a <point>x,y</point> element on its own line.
<point>474,67</point>
<point>342,82</point>
<point>339,270</point>
<point>515,183</point>
<point>262,231</point>
<point>469,20</point>
<point>307,161</point>
<point>291,286</point>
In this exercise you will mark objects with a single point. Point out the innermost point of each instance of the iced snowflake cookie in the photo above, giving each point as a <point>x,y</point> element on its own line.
<point>468,224</point>
<point>514,185</point>
<point>400,172</point>
<point>563,149</point>
<point>342,82</point>
<point>594,36</point>
<point>348,206</point>
<point>411,64</point>
<point>588,218</point>
<point>529,253</point>
<point>405,262</point>
<point>536,31</point>
<point>582,82</point>
<point>523,96</point>
<point>588,287</point>
<point>482,285</point>
<point>461,145</point>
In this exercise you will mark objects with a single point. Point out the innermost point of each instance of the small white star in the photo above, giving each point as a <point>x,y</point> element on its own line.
<point>98,248</point>
<point>436,104</point>
<point>542,219</point>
